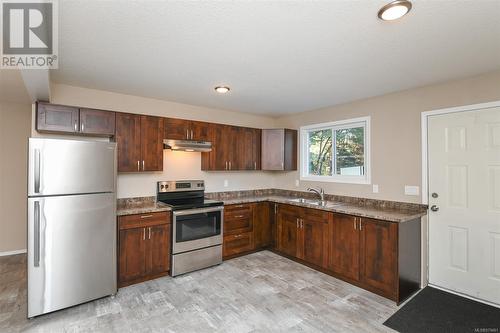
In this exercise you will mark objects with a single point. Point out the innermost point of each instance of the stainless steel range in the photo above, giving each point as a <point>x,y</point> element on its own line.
<point>197,225</point>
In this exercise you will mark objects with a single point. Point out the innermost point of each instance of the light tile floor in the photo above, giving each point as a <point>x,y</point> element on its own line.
<point>261,292</point>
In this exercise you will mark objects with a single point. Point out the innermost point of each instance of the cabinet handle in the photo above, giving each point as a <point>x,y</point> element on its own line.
<point>226,165</point>
<point>191,134</point>
<point>146,216</point>
<point>149,233</point>
<point>297,222</point>
<point>143,165</point>
<point>239,216</point>
<point>143,233</point>
<point>187,134</point>
<point>230,165</point>
<point>138,166</point>
<point>355,223</point>
<point>302,223</point>
<point>282,166</point>
<point>237,236</point>
<point>255,165</point>
<point>76,126</point>
<point>360,224</point>
<point>82,127</point>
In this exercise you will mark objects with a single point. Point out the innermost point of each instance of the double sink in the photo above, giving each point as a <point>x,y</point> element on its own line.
<point>319,203</point>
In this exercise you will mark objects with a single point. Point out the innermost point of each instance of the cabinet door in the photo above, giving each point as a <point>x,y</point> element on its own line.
<point>200,131</point>
<point>237,243</point>
<point>345,240</point>
<point>273,145</point>
<point>261,226</point>
<point>132,254</point>
<point>56,118</point>
<point>159,248</point>
<point>97,122</point>
<point>288,232</point>
<point>128,140</point>
<point>244,158</point>
<point>221,146</point>
<point>257,137</point>
<point>379,254</point>
<point>152,143</point>
<point>177,129</point>
<point>315,241</point>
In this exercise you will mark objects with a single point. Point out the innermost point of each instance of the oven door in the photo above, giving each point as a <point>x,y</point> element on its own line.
<point>197,228</point>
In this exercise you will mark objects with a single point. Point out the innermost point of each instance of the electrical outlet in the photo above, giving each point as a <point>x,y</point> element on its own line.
<point>412,190</point>
<point>226,183</point>
<point>375,188</point>
<point>297,183</point>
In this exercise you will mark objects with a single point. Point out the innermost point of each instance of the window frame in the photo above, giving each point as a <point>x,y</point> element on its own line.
<point>341,124</point>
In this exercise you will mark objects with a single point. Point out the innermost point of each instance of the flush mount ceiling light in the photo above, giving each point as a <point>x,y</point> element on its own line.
<point>394,10</point>
<point>222,89</point>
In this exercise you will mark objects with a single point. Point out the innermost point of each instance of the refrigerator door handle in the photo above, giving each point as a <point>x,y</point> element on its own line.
<point>37,170</point>
<point>36,240</point>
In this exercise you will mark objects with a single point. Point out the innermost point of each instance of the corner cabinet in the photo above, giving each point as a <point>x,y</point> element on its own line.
<point>143,247</point>
<point>279,149</point>
<point>247,228</point>
<point>139,142</point>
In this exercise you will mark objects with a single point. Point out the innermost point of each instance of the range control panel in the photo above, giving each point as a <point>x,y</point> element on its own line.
<point>181,185</point>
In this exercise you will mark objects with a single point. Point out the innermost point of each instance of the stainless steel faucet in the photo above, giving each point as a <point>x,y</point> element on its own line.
<point>319,192</point>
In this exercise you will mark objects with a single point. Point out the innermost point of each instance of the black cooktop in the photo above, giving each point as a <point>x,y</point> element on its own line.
<point>191,204</point>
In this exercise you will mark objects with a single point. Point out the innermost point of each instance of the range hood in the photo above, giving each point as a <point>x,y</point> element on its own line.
<point>187,145</point>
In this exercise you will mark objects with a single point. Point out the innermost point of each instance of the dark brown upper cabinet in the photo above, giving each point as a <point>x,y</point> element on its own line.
<point>140,142</point>
<point>57,118</point>
<point>97,122</point>
<point>54,118</point>
<point>233,148</point>
<point>180,129</point>
<point>279,149</point>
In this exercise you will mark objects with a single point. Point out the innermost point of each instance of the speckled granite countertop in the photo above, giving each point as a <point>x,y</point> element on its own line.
<point>390,211</point>
<point>140,205</point>
<point>386,214</point>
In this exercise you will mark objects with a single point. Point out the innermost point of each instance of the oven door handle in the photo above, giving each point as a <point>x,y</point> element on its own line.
<point>198,210</point>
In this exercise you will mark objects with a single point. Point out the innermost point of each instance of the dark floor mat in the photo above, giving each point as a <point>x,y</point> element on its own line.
<point>433,310</point>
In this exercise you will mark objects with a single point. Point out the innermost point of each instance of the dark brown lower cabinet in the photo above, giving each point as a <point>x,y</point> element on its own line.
<point>379,256</point>
<point>303,233</point>
<point>247,228</point>
<point>143,247</point>
<point>344,243</point>
<point>378,253</point>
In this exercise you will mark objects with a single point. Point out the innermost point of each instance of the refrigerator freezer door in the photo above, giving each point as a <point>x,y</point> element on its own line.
<point>59,167</point>
<point>71,250</point>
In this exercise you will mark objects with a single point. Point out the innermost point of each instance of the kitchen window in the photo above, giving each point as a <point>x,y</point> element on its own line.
<point>336,152</point>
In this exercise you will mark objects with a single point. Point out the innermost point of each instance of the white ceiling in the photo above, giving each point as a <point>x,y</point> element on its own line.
<point>278,57</point>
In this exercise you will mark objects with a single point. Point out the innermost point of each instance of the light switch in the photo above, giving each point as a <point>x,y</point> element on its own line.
<point>412,190</point>
<point>375,188</point>
<point>226,183</point>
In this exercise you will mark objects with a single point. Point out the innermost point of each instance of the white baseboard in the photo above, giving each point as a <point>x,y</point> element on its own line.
<point>10,253</point>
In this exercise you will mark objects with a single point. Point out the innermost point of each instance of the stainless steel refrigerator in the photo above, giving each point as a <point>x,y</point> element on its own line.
<point>71,223</point>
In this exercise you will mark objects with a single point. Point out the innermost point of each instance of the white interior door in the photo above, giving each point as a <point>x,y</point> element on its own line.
<point>464,196</point>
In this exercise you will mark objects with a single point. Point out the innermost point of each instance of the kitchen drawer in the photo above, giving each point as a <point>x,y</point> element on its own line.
<point>238,243</point>
<point>143,220</point>
<point>238,219</point>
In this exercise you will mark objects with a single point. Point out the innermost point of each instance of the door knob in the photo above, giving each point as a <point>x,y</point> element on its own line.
<point>434,208</point>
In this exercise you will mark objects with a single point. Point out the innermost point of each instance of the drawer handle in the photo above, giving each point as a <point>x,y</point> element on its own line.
<point>146,216</point>
<point>239,216</point>
<point>237,236</point>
